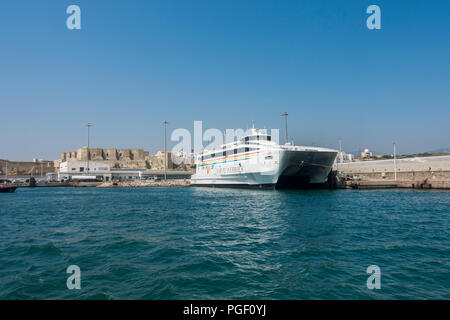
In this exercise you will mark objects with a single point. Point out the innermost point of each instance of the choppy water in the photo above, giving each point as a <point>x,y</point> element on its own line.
<point>196,243</point>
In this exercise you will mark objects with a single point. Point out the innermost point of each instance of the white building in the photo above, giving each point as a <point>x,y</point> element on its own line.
<point>98,170</point>
<point>344,157</point>
<point>366,154</point>
<point>68,169</point>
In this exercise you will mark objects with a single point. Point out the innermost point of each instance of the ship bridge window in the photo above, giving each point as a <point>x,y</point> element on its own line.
<point>260,138</point>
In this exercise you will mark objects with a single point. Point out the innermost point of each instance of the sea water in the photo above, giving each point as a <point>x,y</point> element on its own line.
<point>201,243</point>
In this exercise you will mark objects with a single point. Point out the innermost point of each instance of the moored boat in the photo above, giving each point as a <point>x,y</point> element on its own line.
<point>257,161</point>
<point>7,189</point>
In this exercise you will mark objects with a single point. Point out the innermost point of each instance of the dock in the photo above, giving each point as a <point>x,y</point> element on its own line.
<point>140,184</point>
<point>414,173</point>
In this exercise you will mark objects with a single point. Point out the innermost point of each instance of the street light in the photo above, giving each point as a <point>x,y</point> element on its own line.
<point>285,114</point>
<point>395,163</point>
<point>89,125</point>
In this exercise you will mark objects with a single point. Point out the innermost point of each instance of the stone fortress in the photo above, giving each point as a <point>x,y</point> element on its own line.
<point>119,158</point>
<point>113,157</point>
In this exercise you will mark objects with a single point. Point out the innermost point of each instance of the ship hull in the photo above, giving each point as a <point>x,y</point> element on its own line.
<point>7,189</point>
<point>293,170</point>
<point>304,168</point>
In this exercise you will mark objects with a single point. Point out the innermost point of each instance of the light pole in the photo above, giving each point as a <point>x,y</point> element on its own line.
<point>89,138</point>
<point>165,149</point>
<point>395,163</point>
<point>340,154</point>
<point>285,114</point>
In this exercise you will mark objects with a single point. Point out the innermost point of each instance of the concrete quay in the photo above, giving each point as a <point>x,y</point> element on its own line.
<point>137,184</point>
<point>417,173</point>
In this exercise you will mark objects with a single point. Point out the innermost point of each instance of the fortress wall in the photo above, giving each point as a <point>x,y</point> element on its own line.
<point>23,168</point>
<point>110,154</point>
<point>137,154</point>
<point>96,154</point>
<point>124,154</point>
<point>120,158</point>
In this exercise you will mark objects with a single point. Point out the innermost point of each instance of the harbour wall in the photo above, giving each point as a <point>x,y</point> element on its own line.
<point>420,172</point>
<point>24,168</point>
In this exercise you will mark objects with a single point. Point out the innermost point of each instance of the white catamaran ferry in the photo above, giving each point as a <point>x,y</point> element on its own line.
<point>256,161</point>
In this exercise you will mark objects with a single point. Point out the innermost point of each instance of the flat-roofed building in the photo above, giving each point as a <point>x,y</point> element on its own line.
<point>68,169</point>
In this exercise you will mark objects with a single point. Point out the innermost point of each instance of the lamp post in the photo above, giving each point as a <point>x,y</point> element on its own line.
<point>89,125</point>
<point>285,114</point>
<point>395,163</point>
<point>165,149</point>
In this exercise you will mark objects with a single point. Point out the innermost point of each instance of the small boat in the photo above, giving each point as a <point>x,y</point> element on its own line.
<point>7,189</point>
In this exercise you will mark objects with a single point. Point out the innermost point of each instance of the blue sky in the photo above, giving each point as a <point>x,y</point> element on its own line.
<point>135,63</point>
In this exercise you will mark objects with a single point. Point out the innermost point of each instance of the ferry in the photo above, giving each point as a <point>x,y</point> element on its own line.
<point>256,161</point>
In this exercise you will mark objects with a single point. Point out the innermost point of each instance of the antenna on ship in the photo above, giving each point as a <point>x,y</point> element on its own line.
<point>285,114</point>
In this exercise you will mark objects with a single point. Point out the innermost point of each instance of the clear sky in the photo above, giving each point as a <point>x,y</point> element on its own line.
<point>135,63</point>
